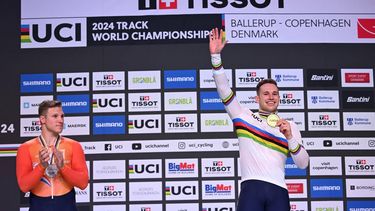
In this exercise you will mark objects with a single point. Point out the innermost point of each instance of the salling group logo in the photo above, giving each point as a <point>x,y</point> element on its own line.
<point>108,81</point>
<point>44,33</point>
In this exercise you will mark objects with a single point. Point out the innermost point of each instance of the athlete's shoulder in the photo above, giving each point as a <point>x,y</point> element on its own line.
<point>68,140</point>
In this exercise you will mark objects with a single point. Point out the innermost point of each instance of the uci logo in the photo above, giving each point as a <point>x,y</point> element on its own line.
<point>114,102</point>
<point>150,168</point>
<point>150,123</point>
<point>187,190</point>
<point>66,82</point>
<point>64,32</point>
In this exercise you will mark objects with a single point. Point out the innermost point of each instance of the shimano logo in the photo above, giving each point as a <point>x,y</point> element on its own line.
<point>326,188</point>
<point>180,79</point>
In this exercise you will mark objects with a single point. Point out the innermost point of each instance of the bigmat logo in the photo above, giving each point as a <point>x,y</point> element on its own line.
<point>181,123</point>
<point>145,168</point>
<point>322,78</point>
<point>108,102</point>
<point>327,205</point>
<point>358,99</point>
<point>181,190</point>
<point>326,188</point>
<point>365,28</point>
<point>210,101</point>
<point>109,124</point>
<point>108,81</point>
<point>217,167</point>
<point>250,77</point>
<point>29,104</point>
<point>32,83</point>
<point>180,79</point>
<point>177,168</point>
<point>50,33</point>
<point>106,192</point>
<point>361,205</point>
<point>76,125</point>
<point>247,99</point>
<point>291,100</point>
<point>73,104</point>
<point>219,206</point>
<point>109,169</point>
<point>291,168</point>
<point>142,102</point>
<point>324,121</point>
<point>144,124</point>
<point>218,189</point>
<point>68,82</point>
<point>180,101</point>
<point>140,80</point>
<point>288,77</point>
<point>357,77</point>
<point>30,127</point>
<point>360,165</point>
<point>145,191</point>
<point>207,81</point>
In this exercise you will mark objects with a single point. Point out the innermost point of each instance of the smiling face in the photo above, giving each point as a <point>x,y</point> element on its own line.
<point>268,97</point>
<point>53,121</point>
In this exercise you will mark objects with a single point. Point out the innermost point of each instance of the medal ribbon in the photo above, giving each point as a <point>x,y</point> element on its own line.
<point>44,144</point>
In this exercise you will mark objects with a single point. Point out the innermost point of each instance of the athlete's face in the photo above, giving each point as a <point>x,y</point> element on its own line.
<point>53,121</point>
<point>268,98</point>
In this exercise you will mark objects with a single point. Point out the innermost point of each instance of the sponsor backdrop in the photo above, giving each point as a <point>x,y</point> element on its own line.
<point>137,90</point>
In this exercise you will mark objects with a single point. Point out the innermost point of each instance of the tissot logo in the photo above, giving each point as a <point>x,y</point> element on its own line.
<point>157,4</point>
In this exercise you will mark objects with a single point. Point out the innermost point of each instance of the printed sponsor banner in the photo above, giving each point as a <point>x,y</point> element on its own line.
<point>360,205</point>
<point>33,83</point>
<point>216,122</point>
<point>82,196</point>
<point>326,188</point>
<point>180,123</point>
<point>360,166</point>
<point>250,77</point>
<point>247,99</point>
<point>107,192</point>
<point>291,169</point>
<point>30,127</point>
<point>145,191</point>
<point>181,190</point>
<point>217,167</point>
<point>298,206</point>
<point>359,121</point>
<point>108,80</point>
<point>206,79</point>
<point>29,104</point>
<point>218,189</point>
<point>210,100</point>
<point>324,121</point>
<point>53,33</point>
<point>112,207</point>
<point>89,8</point>
<point>72,104</point>
<point>297,188</point>
<point>76,125</point>
<point>298,28</point>
<point>325,166</point>
<point>357,77</point>
<point>113,102</point>
<point>224,206</point>
<point>70,82</point>
<point>291,100</point>
<point>146,79</point>
<point>360,188</point>
<point>297,117</point>
<point>180,79</point>
<point>180,101</point>
<point>358,99</point>
<point>323,99</point>
<point>288,77</point>
<point>144,102</point>
<point>150,168</point>
<point>344,143</point>
<point>140,124</point>
<point>109,124</point>
<point>322,78</point>
<point>327,205</point>
<point>175,168</point>
<point>146,207</point>
<point>180,207</point>
<point>109,169</point>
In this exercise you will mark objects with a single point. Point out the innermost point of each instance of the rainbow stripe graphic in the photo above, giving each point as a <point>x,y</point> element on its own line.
<point>25,33</point>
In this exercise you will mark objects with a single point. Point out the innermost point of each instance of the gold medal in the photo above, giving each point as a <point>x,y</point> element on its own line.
<point>272,120</point>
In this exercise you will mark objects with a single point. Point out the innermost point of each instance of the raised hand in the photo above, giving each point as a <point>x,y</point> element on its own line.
<point>217,41</point>
<point>59,158</point>
<point>285,128</point>
<point>44,156</point>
